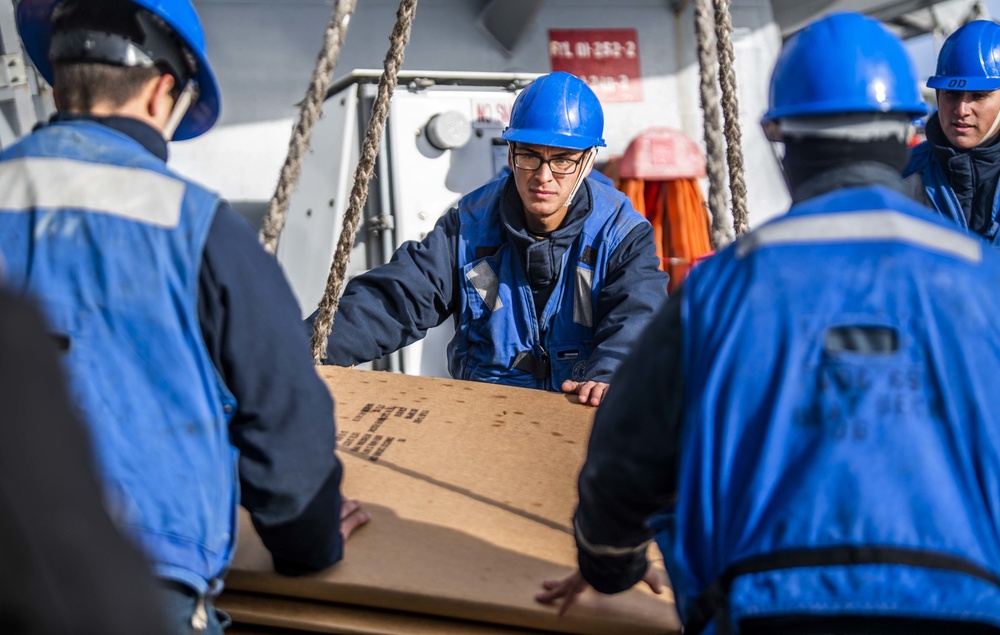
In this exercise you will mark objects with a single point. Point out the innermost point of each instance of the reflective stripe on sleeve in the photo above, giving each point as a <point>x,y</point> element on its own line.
<point>606,550</point>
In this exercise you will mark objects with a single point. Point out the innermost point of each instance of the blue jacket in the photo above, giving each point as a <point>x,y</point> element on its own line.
<point>835,452</point>
<point>929,185</point>
<point>882,370</point>
<point>500,336</point>
<point>393,305</point>
<point>245,313</point>
<point>139,371</point>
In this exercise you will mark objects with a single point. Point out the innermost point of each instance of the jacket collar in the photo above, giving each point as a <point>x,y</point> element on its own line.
<point>143,133</point>
<point>542,256</point>
<point>861,174</point>
<point>972,174</point>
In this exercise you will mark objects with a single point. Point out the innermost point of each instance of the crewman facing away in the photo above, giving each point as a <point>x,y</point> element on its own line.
<point>956,170</point>
<point>550,276</point>
<point>181,338</point>
<point>828,449</point>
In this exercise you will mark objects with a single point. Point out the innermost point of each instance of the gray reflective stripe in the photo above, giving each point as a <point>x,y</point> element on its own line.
<point>583,306</point>
<point>605,550</point>
<point>487,285</point>
<point>135,194</point>
<point>861,227</point>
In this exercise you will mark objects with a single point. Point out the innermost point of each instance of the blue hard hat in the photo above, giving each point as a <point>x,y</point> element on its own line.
<point>557,110</point>
<point>969,59</point>
<point>34,22</point>
<point>843,63</point>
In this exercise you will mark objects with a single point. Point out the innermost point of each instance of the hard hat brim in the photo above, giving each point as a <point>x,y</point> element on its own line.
<point>845,107</point>
<point>963,83</point>
<point>552,139</point>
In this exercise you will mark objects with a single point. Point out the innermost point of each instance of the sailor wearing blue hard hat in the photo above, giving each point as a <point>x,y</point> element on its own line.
<point>556,117</point>
<point>172,316</point>
<point>957,168</point>
<point>556,273</point>
<point>820,456</point>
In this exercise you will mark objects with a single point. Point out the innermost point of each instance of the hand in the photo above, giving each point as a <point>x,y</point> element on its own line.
<point>570,588</point>
<point>352,516</point>
<point>589,391</point>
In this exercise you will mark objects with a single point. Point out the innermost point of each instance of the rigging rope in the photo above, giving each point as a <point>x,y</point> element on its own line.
<point>731,110</point>
<point>312,108</point>
<point>711,108</point>
<point>362,175</point>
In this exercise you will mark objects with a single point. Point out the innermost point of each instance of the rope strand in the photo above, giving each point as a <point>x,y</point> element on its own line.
<point>309,113</point>
<point>362,175</point>
<point>710,105</point>
<point>731,111</point>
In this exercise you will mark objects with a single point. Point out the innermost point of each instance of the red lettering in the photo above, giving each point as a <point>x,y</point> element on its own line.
<point>484,112</point>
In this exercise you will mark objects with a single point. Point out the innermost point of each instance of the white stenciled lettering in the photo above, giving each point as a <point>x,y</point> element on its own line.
<point>560,49</point>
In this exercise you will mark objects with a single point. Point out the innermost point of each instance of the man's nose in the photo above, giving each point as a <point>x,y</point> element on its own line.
<point>544,172</point>
<point>963,106</point>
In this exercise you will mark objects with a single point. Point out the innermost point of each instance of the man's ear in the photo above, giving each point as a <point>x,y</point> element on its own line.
<point>161,102</point>
<point>510,156</point>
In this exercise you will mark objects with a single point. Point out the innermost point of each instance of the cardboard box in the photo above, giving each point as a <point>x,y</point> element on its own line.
<point>472,488</point>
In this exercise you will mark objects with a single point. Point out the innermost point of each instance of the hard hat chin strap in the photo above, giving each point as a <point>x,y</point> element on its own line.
<point>992,131</point>
<point>588,162</point>
<point>180,109</point>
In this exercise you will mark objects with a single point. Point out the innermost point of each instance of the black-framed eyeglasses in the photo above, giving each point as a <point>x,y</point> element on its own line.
<point>558,165</point>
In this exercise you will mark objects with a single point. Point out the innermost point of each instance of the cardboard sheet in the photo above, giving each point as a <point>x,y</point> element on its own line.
<point>301,616</point>
<point>471,487</point>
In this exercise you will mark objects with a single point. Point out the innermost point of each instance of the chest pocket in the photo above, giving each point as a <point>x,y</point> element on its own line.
<point>865,385</point>
<point>569,361</point>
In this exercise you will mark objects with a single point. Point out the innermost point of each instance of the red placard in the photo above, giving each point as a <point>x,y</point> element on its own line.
<point>607,59</point>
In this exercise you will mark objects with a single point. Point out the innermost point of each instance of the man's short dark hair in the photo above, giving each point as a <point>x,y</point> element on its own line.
<point>80,85</point>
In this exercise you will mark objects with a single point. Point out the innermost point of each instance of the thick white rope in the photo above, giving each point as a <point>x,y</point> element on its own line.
<point>731,111</point>
<point>309,113</point>
<point>722,232</point>
<point>362,175</point>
